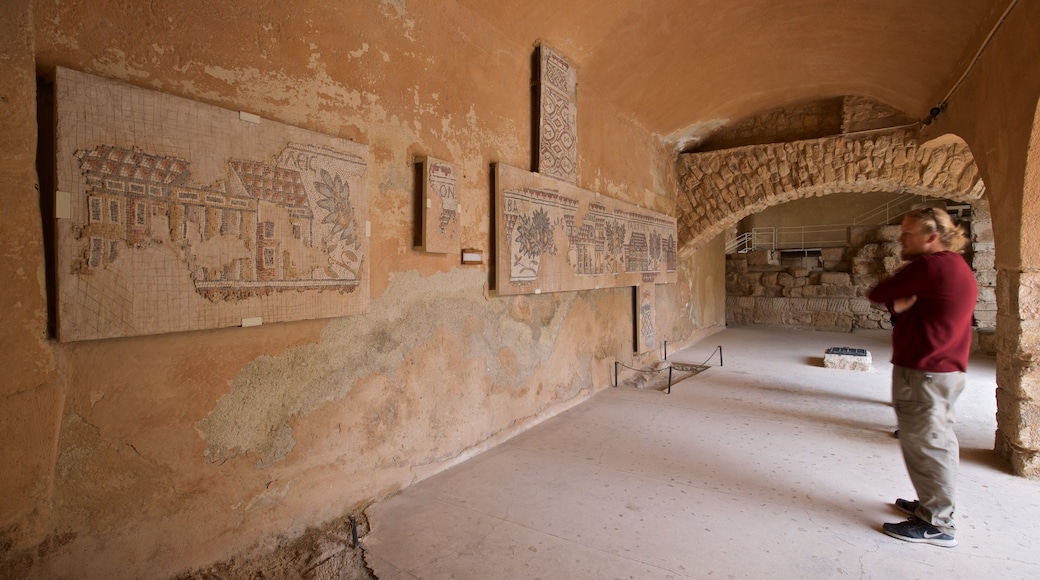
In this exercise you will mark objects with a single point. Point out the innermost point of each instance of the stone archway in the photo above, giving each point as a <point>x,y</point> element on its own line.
<point>719,188</point>
<point>1018,322</point>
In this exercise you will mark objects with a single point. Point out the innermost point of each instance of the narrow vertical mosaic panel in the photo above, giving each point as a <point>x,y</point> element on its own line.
<point>440,207</point>
<point>185,216</point>
<point>557,116</point>
<point>645,318</point>
<point>552,236</point>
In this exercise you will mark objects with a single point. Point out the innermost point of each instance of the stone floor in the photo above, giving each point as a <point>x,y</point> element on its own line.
<point>770,466</point>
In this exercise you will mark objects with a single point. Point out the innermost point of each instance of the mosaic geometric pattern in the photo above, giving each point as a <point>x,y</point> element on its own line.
<point>186,216</point>
<point>440,208</point>
<point>557,119</point>
<point>552,236</point>
<point>646,318</point>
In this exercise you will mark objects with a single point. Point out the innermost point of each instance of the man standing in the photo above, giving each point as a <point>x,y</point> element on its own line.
<point>934,296</point>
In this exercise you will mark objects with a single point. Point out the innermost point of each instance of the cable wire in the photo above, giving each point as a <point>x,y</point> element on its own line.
<point>978,54</point>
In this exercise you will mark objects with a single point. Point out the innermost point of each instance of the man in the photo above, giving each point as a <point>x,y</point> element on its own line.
<point>934,296</point>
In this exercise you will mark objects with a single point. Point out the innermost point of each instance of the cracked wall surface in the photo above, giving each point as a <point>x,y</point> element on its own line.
<point>148,456</point>
<point>152,455</point>
<point>254,417</point>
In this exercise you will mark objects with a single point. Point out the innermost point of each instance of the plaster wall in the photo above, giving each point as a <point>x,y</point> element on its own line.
<point>143,457</point>
<point>994,112</point>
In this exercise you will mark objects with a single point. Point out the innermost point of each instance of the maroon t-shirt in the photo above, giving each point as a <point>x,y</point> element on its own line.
<point>935,333</point>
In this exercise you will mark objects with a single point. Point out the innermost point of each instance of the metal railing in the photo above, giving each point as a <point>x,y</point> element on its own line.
<point>741,244</point>
<point>800,237</point>
<point>806,237</point>
<point>886,212</point>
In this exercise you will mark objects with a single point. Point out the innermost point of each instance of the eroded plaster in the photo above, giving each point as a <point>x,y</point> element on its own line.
<point>513,337</point>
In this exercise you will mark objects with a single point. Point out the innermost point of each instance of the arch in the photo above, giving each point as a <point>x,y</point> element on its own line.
<point>719,188</point>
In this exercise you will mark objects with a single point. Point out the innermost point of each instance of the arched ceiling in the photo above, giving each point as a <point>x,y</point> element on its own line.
<point>679,66</point>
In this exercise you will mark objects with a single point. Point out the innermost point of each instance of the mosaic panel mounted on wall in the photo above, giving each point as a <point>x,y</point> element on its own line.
<point>557,116</point>
<point>185,216</point>
<point>552,236</point>
<point>440,207</point>
<point>646,318</point>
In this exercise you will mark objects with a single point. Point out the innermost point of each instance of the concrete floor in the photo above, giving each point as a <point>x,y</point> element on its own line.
<point>770,466</point>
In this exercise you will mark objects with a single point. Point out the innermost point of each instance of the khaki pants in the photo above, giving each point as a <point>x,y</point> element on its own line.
<point>924,408</point>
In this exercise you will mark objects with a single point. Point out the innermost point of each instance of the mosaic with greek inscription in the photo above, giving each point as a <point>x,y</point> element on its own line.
<point>552,236</point>
<point>441,232</point>
<point>186,216</point>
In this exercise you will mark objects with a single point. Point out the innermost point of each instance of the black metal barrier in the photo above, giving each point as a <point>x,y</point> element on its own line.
<point>679,366</point>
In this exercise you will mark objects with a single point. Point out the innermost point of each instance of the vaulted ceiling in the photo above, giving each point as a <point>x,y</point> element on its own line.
<point>682,67</point>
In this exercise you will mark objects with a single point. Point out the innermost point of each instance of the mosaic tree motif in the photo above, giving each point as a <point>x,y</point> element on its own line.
<point>534,237</point>
<point>343,247</point>
<point>615,234</point>
<point>655,250</point>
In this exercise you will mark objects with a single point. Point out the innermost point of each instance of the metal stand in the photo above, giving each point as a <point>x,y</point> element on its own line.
<point>619,364</point>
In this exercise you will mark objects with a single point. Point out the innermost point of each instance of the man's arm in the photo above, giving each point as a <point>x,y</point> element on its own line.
<point>903,287</point>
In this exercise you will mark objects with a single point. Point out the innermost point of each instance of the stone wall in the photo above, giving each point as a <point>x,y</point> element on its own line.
<point>983,258</point>
<point>828,291</point>
<point>719,188</point>
<point>824,292</point>
<point>790,123</point>
<point>863,114</point>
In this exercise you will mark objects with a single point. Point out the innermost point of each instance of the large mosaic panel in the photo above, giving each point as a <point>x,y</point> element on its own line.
<point>557,116</point>
<point>552,236</point>
<point>175,215</point>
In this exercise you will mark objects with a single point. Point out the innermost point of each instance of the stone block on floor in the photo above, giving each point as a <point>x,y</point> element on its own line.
<point>846,358</point>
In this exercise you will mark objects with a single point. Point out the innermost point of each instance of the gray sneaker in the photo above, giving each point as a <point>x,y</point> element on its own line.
<point>919,531</point>
<point>907,506</point>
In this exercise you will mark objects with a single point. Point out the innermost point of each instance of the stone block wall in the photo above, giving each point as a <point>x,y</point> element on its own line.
<point>983,263</point>
<point>790,123</point>
<point>826,290</point>
<point>863,114</point>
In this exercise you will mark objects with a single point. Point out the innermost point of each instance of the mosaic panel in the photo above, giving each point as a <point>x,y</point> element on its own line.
<point>185,216</point>
<point>440,207</point>
<point>557,118</point>
<point>646,318</point>
<point>552,236</point>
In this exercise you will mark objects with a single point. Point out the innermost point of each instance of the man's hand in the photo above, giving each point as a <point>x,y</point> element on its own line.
<point>901,305</point>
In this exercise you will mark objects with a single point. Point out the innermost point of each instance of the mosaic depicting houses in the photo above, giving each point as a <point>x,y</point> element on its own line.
<point>174,215</point>
<point>268,228</point>
<point>556,237</point>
